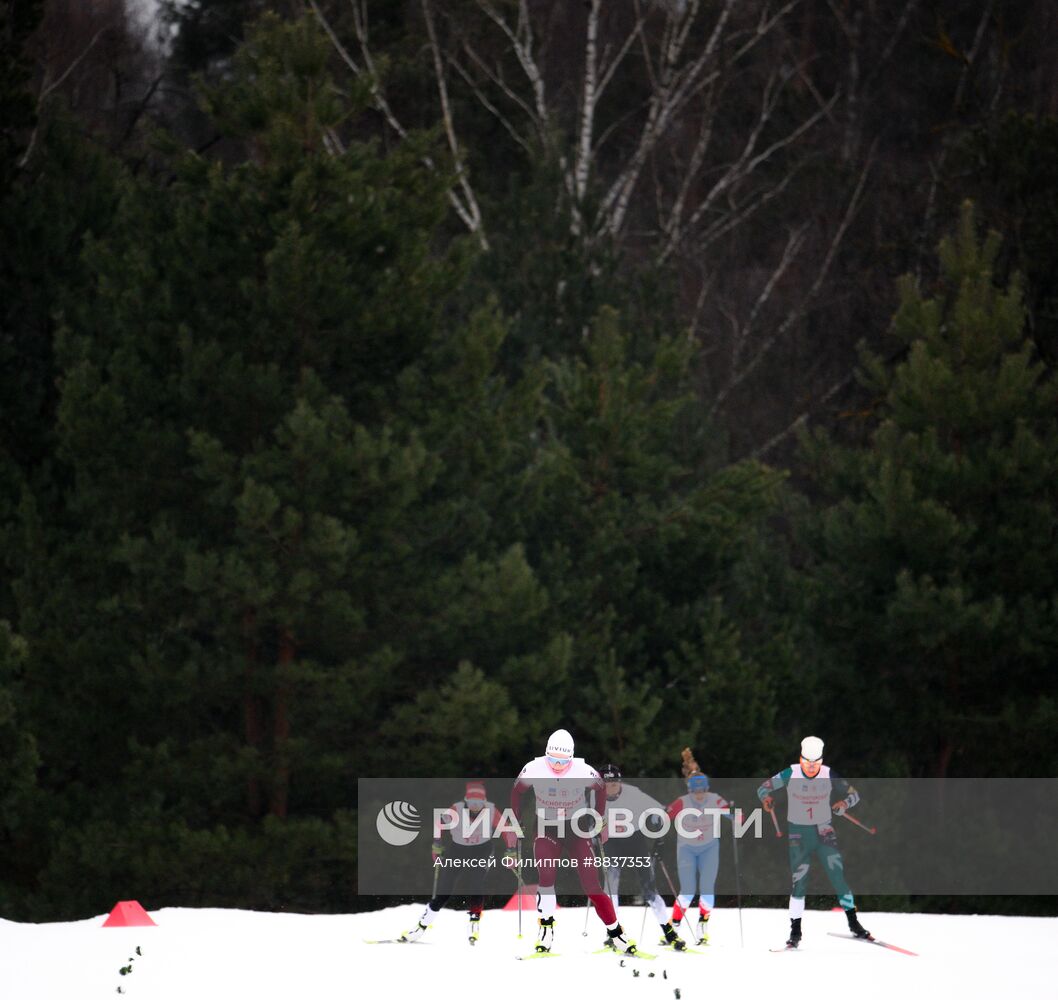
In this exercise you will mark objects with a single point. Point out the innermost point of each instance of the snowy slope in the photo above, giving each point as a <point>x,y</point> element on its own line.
<point>205,954</point>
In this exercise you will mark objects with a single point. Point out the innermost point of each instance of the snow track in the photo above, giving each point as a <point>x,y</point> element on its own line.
<point>206,954</point>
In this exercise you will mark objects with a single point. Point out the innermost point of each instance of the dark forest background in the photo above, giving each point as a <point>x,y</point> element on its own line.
<point>386,384</point>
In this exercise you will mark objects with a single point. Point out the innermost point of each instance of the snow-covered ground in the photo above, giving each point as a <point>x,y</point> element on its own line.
<point>205,954</point>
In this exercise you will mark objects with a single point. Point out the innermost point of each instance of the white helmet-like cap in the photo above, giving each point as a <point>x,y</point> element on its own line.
<point>812,748</point>
<point>560,744</point>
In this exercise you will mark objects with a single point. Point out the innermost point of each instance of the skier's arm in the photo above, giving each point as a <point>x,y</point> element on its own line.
<point>847,795</point>
<point>674,808</point>
<point>773,784</point>
<point>597,801</point>
<point>438,834</point>
<point>519,789</point>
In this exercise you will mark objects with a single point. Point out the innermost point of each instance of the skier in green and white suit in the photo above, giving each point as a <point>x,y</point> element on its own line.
<point>810,785</point>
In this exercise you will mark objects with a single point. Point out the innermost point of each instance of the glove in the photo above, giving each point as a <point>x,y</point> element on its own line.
<point>840,807</point>
<point>768,802</point>
<point>436,850</point>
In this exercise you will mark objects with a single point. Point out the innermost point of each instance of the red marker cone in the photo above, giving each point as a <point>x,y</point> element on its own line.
<point>129,913</point>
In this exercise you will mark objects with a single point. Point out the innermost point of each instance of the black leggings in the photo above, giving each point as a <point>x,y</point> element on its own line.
<point>448,877</point>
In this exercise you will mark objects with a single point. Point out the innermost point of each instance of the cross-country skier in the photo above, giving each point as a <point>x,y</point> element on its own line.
<point>563,785</point>
<point>698,849</point>
<point>469,846</point>
<point>810,789</point>
<point>620,795</point>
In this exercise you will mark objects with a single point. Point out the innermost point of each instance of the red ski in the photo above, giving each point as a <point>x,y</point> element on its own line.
<point>871,940</point>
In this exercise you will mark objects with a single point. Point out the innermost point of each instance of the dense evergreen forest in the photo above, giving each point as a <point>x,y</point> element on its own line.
<point>384,385</point>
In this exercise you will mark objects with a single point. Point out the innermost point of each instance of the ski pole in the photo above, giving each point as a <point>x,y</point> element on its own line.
<point>676,897</point>
<point>587,902</point>
<point>862,826</point>
<point>518,876</point>
<point>603,881</point>
<point>738,881</point>
<point>775,820</point>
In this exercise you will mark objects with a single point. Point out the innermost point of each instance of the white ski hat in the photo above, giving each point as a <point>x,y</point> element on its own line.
<point>812,748</point>
<point>560,744</point>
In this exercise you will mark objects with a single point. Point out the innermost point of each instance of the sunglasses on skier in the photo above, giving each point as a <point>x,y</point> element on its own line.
<point>559,763</point>
<point>811,767</point>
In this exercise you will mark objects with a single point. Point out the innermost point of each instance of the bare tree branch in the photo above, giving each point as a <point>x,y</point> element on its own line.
<point>969,62</point>
<point>797,314</point>
<point>468,213</point>
<point>802,418</point>
<point>587,109</point>
<point>522,42</point>
<point>470,201</point>
<point>47,89</point>
<point>485,101</point>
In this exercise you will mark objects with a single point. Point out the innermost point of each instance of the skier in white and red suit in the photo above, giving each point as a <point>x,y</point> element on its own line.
<point>563,785</point>
<point>465,851</point>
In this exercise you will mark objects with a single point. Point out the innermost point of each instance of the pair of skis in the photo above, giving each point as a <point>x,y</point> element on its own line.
<point>852,937</point>
<point>641,955</point>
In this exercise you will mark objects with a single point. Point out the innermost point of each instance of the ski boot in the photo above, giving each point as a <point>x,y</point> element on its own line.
<point>703,928</point>
<point>415,933</point>
<point>795,933</point>
<point>857,929</point>
<point>672,938</point>
<point>546,937</point>
<point>475,925</point>
<point>616,939</point>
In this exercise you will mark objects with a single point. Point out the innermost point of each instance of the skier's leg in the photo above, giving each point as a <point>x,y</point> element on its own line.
<point>708,862</point>
<point>435,906</point>
<point>651,896</point>
<point>446,881</point>
<point>834,865</point>
<point>649,887</point>
<point>801,842</point>
<point>547,853</point>
<point>708,866</point>
<point>687,867</point>
<point>612,884</point>
<point>447,876</point>
<point>706,856</point>
<point>580,852</point>
<point>478,879</point>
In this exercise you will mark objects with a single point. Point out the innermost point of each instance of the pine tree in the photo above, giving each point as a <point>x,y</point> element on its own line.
<point>285,436</point>
<point>645,547</point>
<point>937,559</point>
<point>18,780</point>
